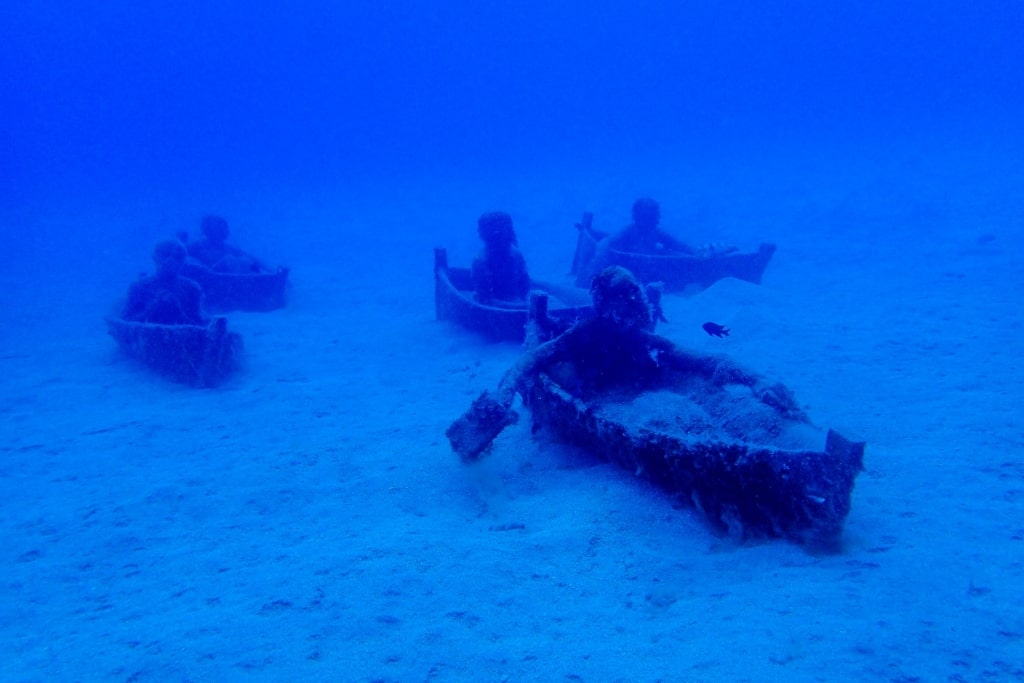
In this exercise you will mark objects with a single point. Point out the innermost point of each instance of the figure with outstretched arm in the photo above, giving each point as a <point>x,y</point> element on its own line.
<point>213,250</point>
<point>613,351</point>
<point>655,255</point>
<point>644,235</point>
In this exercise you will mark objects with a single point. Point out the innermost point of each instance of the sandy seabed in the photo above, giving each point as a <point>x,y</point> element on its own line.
<point>307,521</point>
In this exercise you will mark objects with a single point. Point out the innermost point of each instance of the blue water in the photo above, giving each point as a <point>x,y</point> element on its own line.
<point>218,95</point>
<point>308,522</point>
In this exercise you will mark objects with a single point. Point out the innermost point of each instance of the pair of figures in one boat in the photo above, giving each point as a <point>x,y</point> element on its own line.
<point>177,292</point>
<point>163,325</point>
<point>163,322</point>
<point>735,445</point>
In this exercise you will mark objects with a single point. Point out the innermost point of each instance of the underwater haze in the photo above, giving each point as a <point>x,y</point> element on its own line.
<point>214,94</point>
<point>308,520</point>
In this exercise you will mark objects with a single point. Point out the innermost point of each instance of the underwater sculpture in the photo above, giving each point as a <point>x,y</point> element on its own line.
<point>231,279</point>
<point>501,321</point>
<point>499,272</point>
<point>654,255</point>
<point>163,326</point>
<point>735,446</point>
<point>491,298</point>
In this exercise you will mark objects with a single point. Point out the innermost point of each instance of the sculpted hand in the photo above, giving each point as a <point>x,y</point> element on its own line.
<point>779,397</point>
<point>716,249</point>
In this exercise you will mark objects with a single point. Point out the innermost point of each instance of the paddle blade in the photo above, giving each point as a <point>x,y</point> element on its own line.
<point>472,434</point>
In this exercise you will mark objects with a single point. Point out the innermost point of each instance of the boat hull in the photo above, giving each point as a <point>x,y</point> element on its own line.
<point>222,292</point>
<point>685,273</point>
<point>748,488</point>
<point>454,301</point>
<point>197,355</point>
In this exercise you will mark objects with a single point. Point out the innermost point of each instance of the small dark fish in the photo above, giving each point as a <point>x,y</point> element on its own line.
<point>716,330</point>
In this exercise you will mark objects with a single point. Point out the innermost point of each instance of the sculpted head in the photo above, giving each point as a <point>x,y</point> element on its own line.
<point>495,229</point>
<point>617,295</point>
<point>169,257</point>
<point>646,213</point>
<point>214,228</point>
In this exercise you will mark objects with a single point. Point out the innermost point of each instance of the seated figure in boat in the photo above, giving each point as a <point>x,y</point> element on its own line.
<point>499,273</point>
<point>644,236</point>
<point>214,252</point>
<point>656,256</point>
<point>612,352</point>
<point>615,350</point>
<point>166,297</point>
<point>701,427</point>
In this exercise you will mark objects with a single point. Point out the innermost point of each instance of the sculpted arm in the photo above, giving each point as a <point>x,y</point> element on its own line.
<point>675,357</point>
<point>673,244</point>
<point>514,380</point>
<point>723,371</point>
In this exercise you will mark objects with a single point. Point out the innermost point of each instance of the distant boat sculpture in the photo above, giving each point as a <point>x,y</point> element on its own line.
<point>678,272</point>
<point>197,355</point>
<point>454,301</point>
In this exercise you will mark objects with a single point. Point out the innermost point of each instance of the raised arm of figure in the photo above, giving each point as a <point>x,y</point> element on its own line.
<point>671,243</point>
<point>674,357</point>
<point>723,371</point>
<point>515,378</point>
<point>473,433</point>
